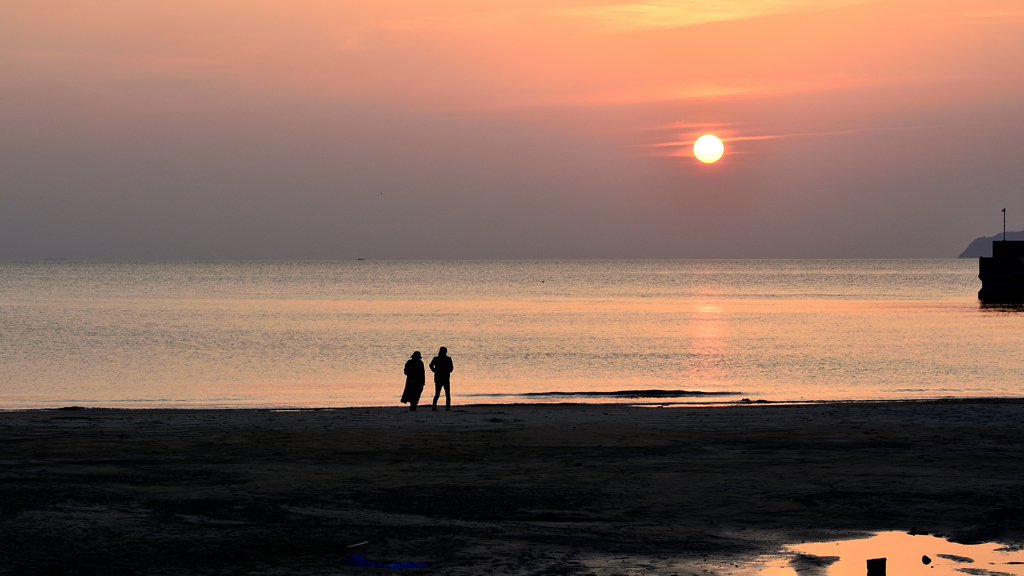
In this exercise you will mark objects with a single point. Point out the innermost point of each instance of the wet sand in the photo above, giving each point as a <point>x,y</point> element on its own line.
<point>496,489</point>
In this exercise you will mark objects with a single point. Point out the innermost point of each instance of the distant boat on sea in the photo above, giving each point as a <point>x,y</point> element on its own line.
<point>360,258</point>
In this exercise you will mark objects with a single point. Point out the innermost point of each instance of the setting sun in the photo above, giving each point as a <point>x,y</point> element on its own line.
<point>708,148</point>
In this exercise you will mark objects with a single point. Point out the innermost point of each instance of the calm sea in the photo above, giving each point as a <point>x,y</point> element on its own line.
<point>289,334</point>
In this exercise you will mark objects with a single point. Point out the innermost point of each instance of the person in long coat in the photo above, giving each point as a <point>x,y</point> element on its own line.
<point>415,378</point>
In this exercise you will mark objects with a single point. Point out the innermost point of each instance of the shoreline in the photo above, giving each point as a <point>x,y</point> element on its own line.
<point>651,404</point>
<point>509,489</point>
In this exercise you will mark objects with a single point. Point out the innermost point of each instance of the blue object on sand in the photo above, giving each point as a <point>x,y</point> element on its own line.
<point>358,560</point>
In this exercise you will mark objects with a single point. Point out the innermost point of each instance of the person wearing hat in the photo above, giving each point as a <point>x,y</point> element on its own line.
<point>415,378</point>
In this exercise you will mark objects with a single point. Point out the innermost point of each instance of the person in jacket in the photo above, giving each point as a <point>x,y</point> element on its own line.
<point>415,379</point>
<point>442,368</point>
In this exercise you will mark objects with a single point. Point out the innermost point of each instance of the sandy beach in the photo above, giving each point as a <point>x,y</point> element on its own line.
<point>523,489</point>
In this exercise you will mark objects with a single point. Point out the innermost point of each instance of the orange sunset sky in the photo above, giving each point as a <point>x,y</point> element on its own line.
<point>507,129</point>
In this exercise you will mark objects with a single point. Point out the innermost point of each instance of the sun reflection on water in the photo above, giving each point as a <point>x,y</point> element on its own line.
<point>709,331</point>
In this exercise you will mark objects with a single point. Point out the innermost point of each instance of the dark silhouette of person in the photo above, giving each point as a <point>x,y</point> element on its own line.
<point>442,368</point>
<point>415,379</point>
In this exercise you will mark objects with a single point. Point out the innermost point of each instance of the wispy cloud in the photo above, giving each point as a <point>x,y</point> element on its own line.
<point>689,139</point>
<point>679,13</point>
<point>994,14</point>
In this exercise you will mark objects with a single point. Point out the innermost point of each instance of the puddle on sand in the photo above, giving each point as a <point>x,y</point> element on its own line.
<point>903,554</point>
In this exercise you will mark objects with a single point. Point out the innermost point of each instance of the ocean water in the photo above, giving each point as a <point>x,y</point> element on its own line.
<point>291,334</point>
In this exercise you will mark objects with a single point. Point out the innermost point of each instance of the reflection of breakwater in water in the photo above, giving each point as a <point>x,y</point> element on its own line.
<point>314,334</point>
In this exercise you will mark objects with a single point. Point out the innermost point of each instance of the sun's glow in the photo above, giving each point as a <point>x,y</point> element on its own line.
<point>708,148</point>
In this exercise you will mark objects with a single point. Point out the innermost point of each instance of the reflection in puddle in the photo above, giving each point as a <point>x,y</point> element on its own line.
<point>905,556</point>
